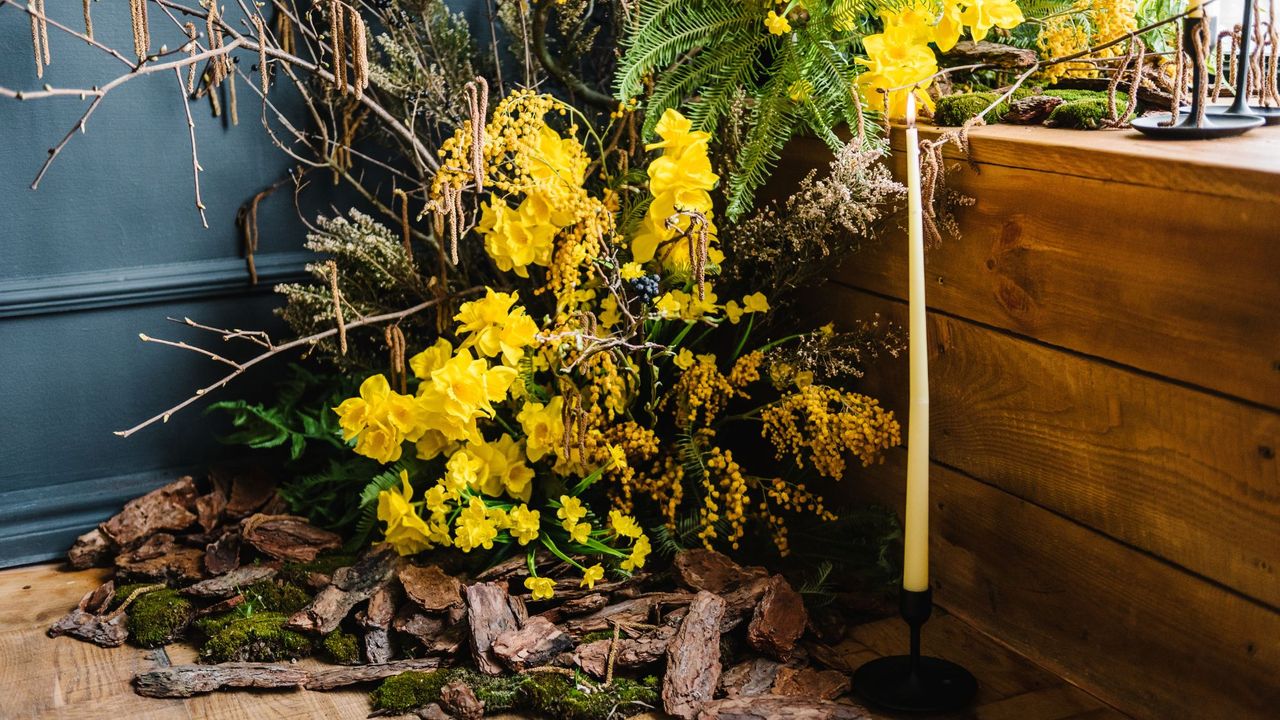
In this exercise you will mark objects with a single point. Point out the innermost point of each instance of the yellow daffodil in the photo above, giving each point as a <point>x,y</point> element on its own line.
<point>495,325</point>
<point>460,392</point>
<point>617,458</point>
<point>578,532</point>
<point>609,315</point>
<point>668,306</point>
<point>591,576</point>
<point>524,524</point>
<point>733,311</point>
<point>755,303</point>
<point>639,553</point>
<point>543,427</point>
<point>464,471</point>
<point>630,271</point>
<point>680,181</point>
<point>571,509</point>
<point>896,60</point>
<point>432,444</point>
<point>437,498</point>
<point>504,468</point>
<point>776,24</point>
<point>380,420</point>
<point>982,15</point>
<point>684,359</point>
<point>474,527</point>
<point>406,531</point>
<point>949,28</point>
<point>431,359</point>
<point>542,588</point>
<point>624,525</point>
<point>916,17</point>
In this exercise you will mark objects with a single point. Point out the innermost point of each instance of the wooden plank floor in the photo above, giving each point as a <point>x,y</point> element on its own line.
<point>65,678</point>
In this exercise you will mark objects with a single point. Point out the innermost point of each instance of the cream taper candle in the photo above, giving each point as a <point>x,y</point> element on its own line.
<point>915,574</point>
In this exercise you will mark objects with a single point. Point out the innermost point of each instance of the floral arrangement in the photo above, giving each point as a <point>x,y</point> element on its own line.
<point>559,320</point>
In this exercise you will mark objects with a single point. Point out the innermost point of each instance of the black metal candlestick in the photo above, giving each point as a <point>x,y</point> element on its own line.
<point>1196,126</point>
<point>1240,105</point>
<point>915,683</point>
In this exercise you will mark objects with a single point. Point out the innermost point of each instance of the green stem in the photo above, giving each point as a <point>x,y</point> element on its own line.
<point>548,544</point>
<point>746,334</point>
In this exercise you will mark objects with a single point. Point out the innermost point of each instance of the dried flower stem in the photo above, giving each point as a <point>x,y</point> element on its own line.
<point>406,230</point>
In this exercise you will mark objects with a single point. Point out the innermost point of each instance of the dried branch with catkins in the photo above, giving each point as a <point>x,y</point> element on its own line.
<point>141,29</point>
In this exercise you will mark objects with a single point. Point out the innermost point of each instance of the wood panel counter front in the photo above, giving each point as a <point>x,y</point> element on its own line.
<point>1105,375</point>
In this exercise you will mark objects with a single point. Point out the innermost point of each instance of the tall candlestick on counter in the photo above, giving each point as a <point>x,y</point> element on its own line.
<point>914,683</point>
<point>915,566</point>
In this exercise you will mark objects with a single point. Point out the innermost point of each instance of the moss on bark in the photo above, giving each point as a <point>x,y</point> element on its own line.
<point>259,637</point>
<point>156,617</point>
<point>547,694</point>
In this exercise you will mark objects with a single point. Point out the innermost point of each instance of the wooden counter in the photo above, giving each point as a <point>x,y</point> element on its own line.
<point>1105,366</point>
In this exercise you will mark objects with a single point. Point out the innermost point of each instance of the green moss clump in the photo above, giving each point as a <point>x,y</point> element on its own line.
<point>1084,114</point>
<point>416,688</point>
<point>957,109</point>
<point>547,694</point>
<point>157,617</point>
<point>279,596</point>
<point>560,697</point>
<point>341,647</point>
<point>1072,95</point>
<point>596,635</point>
<point>260,637</point>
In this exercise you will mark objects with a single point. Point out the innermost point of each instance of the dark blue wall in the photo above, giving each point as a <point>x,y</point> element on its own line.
<point>106,248</point>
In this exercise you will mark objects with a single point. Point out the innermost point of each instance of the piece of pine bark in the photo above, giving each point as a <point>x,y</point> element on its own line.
<point>180,681</point>
<point>750,678</point>
<point>741,602</point>
<point>91,549</point>
<point>489,615</point>
<point>631,653</point>
<point>638,610</point>
<point>775,707</point>
<point>210,507</point>
<point>431,588</point>
<point>999,54</point>
<point>432,711</point>
<point>351,585</point>
<point>221,606</point>
<point>460,701</point>
<point>97,599</point>
<point>160,559</point>
<point>248,490</point>
<point>376,622</point>
<point>165,508</point>
<point>223,555</point>
<point>693,657</point>
<point>1031,110</point>
<point>287,537</point>
<point>703,569</point>
<point>343,677</point>
<point>778,621</point>
<point>533,644</point>
<point>102,630</point>
<point>810,682</point>
<point>436,634</point>
<point>229,584</point>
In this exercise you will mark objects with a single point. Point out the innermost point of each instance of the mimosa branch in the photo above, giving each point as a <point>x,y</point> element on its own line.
<point>271,350</point>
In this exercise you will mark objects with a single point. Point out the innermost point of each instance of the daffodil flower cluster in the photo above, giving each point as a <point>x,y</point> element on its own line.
<point>899,60</point>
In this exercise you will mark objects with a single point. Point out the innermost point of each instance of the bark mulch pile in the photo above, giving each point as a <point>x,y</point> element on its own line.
<point>226,568</point>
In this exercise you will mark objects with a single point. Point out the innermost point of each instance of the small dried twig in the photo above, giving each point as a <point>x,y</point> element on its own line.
<point>195,159</point>
<point>273,350</point>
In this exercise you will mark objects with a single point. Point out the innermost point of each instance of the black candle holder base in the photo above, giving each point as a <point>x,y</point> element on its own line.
<point>936,685</point>
<point>1218,127</point>
<point>1269,115</point>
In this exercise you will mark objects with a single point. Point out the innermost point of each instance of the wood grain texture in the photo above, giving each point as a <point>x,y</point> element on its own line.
<point>65,679</point>
<point>1182,474</point>
<point>1170,281</point>
<point>1144,636</point>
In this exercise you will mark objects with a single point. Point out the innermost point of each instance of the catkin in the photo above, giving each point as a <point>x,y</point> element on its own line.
<point>359,53</point>
<point>231,100</point>
<point>141,32</point>
<point>35,36</point>
<point>192,49</point>
<point>478,103</point>
<point>217,69</point>
<point>336,35</point>
<point>44,33</point>
<point>88,20</point>
<point>337,307</point>
<point>263,77</point>
<point>406,238</point>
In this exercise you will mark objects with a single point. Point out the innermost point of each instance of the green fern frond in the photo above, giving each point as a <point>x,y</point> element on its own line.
<point>713,70</point>
<point>773,121</point>
<point>383,481</point>
<point>676,27</point>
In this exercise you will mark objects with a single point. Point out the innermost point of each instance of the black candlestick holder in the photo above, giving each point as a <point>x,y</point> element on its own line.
<point>1196,125</point>
<point>915,683</point>
<point>1240,106</point>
